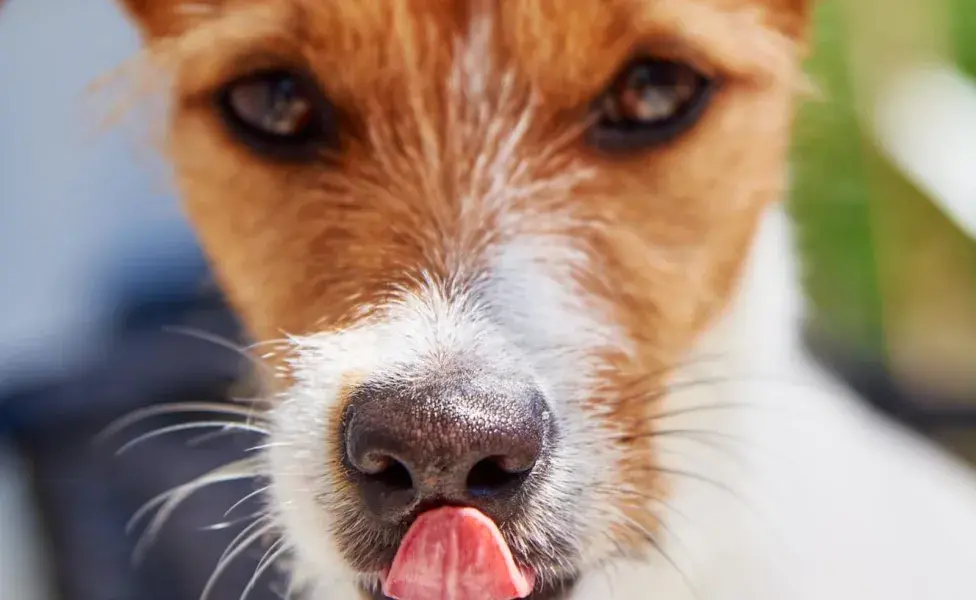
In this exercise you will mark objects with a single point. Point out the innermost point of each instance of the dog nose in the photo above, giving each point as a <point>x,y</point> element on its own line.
<point>467,441</point>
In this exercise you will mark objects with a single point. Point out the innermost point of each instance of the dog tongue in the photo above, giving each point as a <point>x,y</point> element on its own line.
<point>455,554</point>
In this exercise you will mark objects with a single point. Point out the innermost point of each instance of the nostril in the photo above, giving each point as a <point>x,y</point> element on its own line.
<point>385,470</point>
<point>386,485</point>
<point>495,475</point>
<point>393,475</point>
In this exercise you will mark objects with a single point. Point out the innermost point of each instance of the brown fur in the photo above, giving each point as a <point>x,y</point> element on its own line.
<point>299,248</point>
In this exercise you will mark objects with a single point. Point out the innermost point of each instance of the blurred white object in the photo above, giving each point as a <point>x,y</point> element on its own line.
<point>23,570</point>
<point>925,120</point>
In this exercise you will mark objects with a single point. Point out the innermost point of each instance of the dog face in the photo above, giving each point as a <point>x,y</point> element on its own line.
<point>489,232</point>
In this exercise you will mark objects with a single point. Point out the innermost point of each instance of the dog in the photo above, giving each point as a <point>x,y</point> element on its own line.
<point>517,268</point>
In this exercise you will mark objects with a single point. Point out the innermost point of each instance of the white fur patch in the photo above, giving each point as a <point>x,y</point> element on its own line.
<point>797,491</point>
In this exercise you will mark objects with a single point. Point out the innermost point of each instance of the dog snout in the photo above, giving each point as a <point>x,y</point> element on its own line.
<point>473,441</point>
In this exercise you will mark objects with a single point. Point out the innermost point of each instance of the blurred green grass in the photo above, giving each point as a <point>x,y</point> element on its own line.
<point>854,212</point>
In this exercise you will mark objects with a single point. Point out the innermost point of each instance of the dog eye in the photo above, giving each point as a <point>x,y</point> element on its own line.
<point>650,102</point>
<point>277,113</point>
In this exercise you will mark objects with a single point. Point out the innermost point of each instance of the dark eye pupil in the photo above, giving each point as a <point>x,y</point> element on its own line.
<point>274,104</point>
<point>651,101</point>
<point>280,115</point>
<point>651,92</point>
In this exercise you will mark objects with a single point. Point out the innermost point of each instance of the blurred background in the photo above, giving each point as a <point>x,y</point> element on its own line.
<point>99,273</point>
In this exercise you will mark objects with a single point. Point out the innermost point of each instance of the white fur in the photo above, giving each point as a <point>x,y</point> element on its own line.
<point>825,499</point>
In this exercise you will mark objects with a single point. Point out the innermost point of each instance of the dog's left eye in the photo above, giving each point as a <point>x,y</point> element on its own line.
<point>651,102</point>
<point>277,113</point>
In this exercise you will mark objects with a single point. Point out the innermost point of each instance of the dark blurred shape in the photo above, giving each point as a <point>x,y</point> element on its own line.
<point>870,378</point>
<point>86,492</point>
<point>945,420</point>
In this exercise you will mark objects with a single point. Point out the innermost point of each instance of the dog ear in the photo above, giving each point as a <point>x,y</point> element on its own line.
<point>166,18</point>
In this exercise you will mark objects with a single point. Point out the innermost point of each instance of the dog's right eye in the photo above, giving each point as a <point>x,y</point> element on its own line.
<point>278,114</point>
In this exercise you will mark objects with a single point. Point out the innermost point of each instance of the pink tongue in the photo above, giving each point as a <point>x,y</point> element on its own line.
<point>455,554</point>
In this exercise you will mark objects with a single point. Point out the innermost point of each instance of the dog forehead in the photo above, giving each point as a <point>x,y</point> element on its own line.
<point>564,49</point>
<point>371,52</point>
<point>582,21</point>
<point>379,15</point>
<point>449,26</point>
<point>381,19</point>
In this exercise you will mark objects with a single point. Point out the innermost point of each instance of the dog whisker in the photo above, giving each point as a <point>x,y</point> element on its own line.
<point>229,557</point>
<point>712,407</point>
<point>169,501</point>
<point>137,416</point>
<point>751,504</point>
<point>716,437</point>
<point>274,552</point>
<point>217,475</point>
<point>723,487</point>
<point>263,521</point>
<point>652,540</point>
<point>628,494</point>
<point>206,437</point>
<point>230,523</point>
<point>242,351</point>
<point>247,497</point>
<point>224,425</point>
<point>268,445</point>
<point>720,442</point>
<point>726,444</point>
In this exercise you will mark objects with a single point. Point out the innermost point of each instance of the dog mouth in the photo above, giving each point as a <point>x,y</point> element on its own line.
<point>555,591</point>
<point>459,553</point>
<point>558,591</point>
